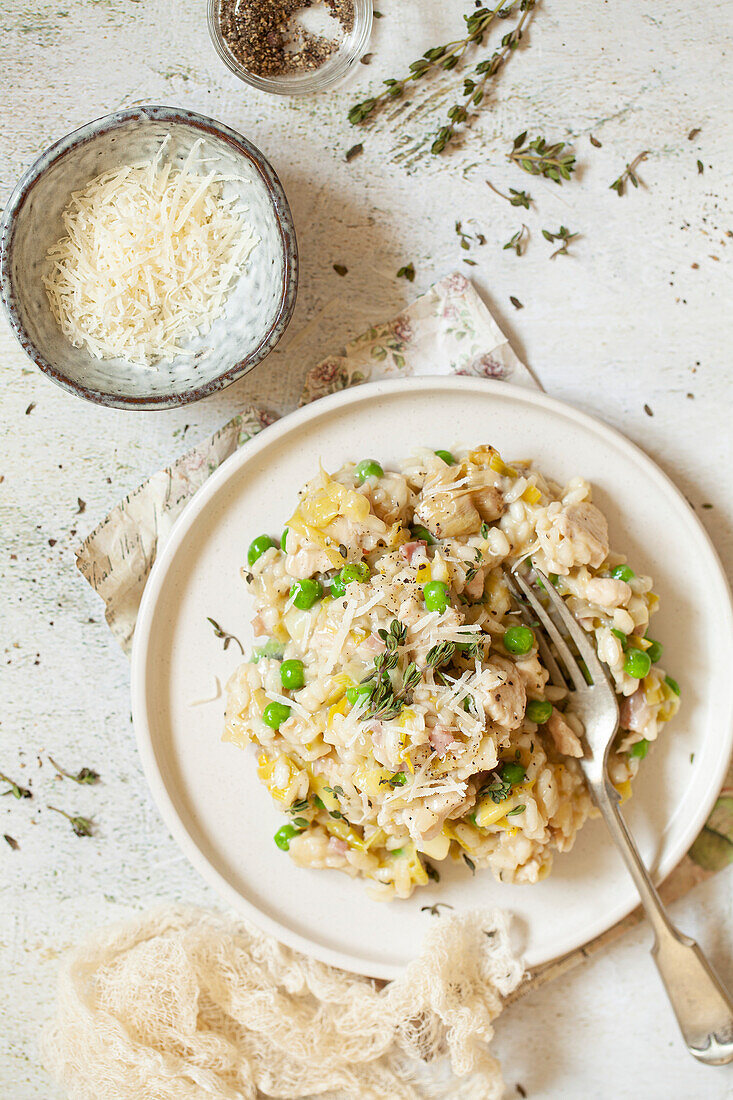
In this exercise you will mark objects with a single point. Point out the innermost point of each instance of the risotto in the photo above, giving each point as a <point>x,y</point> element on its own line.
<point>398,704</point>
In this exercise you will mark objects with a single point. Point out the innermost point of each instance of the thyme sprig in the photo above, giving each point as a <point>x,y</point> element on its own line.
<point>540,159</point>
<point>220,633</point>
<point>518,242</point>
<point>84,775</point>
<point>466,238</point>
<point>385,701</point>
<point>564,236</point>
<point>474,86</point>
<point>444,58</point>
<point>628,175</point>
<point>516,198</point>
<point>82,826</point>
<point>15,788</point>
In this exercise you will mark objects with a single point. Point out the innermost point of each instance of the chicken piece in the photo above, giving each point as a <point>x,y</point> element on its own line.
<point>533,675</point>
<point>565,739</point>
<point>608,592</point>
<point>576,535</point>
<point>504,701</point>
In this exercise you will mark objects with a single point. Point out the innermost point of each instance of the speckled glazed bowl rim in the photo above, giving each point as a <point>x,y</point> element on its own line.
<point>89,132</point>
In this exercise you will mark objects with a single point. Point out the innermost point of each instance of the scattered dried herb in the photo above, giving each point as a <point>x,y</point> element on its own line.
<point>594,141</point>
<point>446,57</point>
<point>81,826</point>
<point>83,776</point>
<point>648,411</point>
<point>15,788</point>
<point>11,841</point>
<point>466,238</point>
<point>518,242</point>
<point>354,151</point>
<point>228,638</point>
<point>30,408</point>
<point>469,863</point>
<point>407,272</point>
<point>81,506</point>
<point>564,236</point>
<point>341,269</point>
<point>540,159</point>
<point>693,134</point>
<point>522,1091</point>
<point>700,168</point>
<point>516,198</point>
<point>628,175</point>
<point>366,59</point>
<point>515,302</point>
<point>434,909</point>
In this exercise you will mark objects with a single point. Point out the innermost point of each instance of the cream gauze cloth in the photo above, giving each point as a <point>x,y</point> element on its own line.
<point>185,1003</point>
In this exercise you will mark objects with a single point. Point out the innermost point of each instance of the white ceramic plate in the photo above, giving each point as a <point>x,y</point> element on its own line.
<point>208,791</point>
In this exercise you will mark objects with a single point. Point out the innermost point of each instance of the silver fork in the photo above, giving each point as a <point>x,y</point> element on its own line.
<point>703,1007</point>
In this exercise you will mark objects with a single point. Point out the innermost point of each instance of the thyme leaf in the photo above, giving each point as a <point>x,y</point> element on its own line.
<point>15,788</point>
<point>628,175</point>
<point>515,198</point>
<point>407,272</point>
<point>518,242</point>
<point>81,826</point>
<point>563,235</point>
<point>84,775</point>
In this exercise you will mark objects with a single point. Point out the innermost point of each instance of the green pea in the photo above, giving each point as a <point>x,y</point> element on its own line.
<point>422,534</point>
<point>305,593</point>
<point>672,684</point>
<point>257,548</point>
<point>284,538</point>
<point>275,714</point>
<point>338,588</point>
<point>640,749</point>
<point>435,594</point>
<point>637,663</point>
<point>359,694</point>
<point>397,852</point>
<point>539,711</point>
<point>623,573</point>
<point>284,835</point>
<point>654,652</point>
<point>355,571</point>
<point>621,636</point>
<point>513,773</point>
<point>367,468</point>
<point>447,457</point>
<point>518,639</point>
<point>291,674</point>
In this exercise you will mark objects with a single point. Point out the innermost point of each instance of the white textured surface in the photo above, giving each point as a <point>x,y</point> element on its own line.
<point>628,321</point>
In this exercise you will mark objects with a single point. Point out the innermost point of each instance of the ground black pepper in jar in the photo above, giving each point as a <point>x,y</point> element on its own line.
<point>268,38</point>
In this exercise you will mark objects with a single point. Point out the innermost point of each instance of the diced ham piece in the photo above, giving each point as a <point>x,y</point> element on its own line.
<point>441,739</point>
<point>258,626</point>
<point>475,586</point>
<point>634,711</point>
<point>337,847</point>
<point>409,550</point>
<point>565,739</point>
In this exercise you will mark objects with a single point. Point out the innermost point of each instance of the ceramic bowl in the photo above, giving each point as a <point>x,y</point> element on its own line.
<point>257,310</point>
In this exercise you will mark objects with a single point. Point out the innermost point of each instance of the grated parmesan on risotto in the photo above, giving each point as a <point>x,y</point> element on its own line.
<point>398,702</point>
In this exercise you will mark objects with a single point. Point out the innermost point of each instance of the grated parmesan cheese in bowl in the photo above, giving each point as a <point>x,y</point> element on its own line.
<point>148,259</point>
<point>150,255</point>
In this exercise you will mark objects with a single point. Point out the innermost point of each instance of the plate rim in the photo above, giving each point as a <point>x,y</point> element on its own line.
<point>145,620</point>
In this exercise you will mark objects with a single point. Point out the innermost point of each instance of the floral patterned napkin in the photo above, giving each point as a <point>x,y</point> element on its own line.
<point>446,330</point>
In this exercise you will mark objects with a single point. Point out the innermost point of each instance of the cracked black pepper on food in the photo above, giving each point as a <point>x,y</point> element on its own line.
<point>266,39</point>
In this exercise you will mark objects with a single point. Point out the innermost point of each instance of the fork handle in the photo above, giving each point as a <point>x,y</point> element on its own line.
<point>703,1007</point>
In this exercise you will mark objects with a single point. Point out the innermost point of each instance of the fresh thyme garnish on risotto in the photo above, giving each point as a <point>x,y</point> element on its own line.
<point>396,696</point>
